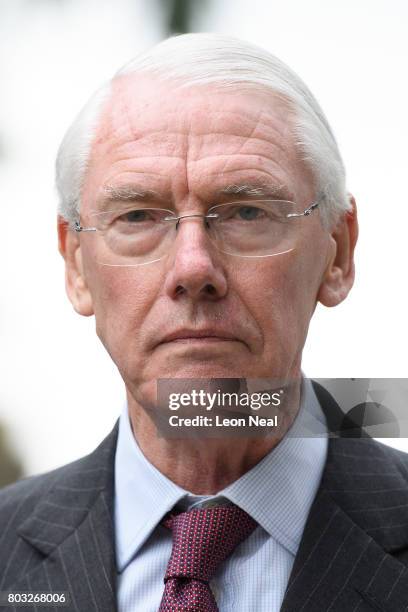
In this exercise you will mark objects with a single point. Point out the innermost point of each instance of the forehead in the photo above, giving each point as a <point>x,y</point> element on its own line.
<point>170,137</point>
<point>135,94</point>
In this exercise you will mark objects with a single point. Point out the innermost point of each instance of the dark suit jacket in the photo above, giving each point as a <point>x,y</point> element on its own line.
<point>56,531</point>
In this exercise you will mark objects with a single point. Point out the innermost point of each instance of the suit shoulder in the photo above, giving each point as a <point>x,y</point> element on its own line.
<point>18,499</point>
<point>370,447</point>
<point>399,457</point>
<point>366,449</point>
<point>26,492</point>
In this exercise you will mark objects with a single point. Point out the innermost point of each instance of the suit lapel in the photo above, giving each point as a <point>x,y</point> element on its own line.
<point>357,526</point>
<point>71,531</point>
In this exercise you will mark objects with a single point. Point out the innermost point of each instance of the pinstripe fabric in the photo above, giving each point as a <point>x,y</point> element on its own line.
<point>59,534</point>
<point>353,555</point>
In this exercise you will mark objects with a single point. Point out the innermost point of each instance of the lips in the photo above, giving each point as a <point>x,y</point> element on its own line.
<point>198,334</point>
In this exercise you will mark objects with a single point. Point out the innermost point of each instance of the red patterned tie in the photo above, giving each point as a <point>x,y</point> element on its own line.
<point>202,540</point>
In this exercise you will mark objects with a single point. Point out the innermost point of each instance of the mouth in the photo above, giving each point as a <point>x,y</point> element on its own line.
<point>203,336</point>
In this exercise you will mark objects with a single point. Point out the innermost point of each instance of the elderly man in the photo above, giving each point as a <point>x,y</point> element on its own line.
<point>203,214</point>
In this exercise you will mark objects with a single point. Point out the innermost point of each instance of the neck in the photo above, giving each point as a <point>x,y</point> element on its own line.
<point>203,465</point>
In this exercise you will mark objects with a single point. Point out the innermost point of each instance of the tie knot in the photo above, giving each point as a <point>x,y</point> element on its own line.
<point>203,539</point>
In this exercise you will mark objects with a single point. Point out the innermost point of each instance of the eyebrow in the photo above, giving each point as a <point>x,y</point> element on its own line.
<point>255,190</point>
<point>126,193</point>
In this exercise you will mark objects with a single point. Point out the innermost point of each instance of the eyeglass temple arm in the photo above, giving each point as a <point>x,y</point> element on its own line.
<point>306,212</point>
<point>78,228</point>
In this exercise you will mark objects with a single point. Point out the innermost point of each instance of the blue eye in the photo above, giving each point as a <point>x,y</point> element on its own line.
<point>248,213</point>
<point>134,216</point>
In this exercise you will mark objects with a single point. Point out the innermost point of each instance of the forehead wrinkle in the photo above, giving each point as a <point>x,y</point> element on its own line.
<point>267,138</point>
<point>261,130</point>
<point>226,157</point>
<point>194,154</point>
<point>180,123</point>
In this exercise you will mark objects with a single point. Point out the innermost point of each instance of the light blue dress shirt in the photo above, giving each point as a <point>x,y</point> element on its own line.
<point>277,493</point>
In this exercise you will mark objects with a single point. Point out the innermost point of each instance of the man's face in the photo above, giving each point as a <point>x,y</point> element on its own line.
<point>187,146</point>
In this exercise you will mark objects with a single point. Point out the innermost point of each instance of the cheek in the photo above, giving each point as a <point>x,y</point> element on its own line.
<point>270,285</point>
<point>122,298</point>
<point>302,282</point>
<point>281,294</point>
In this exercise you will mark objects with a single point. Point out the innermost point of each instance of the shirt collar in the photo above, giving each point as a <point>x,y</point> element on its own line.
<point>143,495</point>
<point>277,492</point>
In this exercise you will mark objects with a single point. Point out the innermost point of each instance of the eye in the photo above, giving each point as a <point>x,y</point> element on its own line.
<point>249,213</point>
<point>136,216</point>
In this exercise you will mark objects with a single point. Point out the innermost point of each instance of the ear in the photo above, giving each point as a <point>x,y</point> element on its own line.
<point>338,278</point>
<point>75,282</point>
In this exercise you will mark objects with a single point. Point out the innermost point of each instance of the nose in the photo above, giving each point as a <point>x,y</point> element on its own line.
<point>194,269</point>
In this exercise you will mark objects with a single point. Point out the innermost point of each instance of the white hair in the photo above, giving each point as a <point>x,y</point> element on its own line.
<point>201,59</point>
